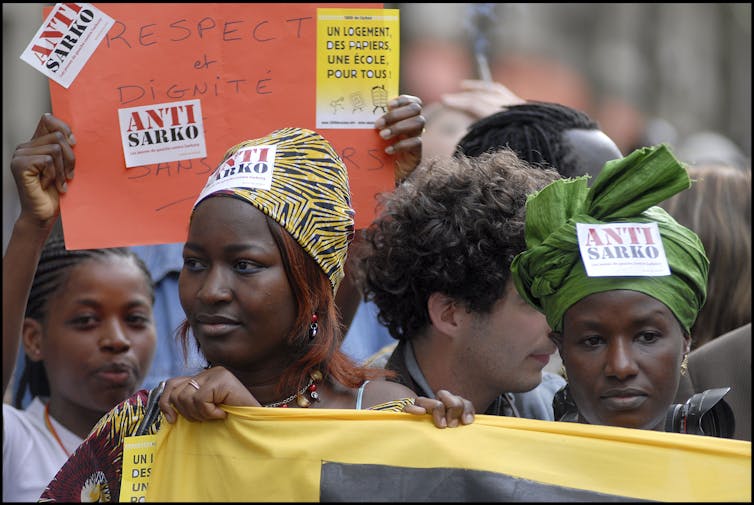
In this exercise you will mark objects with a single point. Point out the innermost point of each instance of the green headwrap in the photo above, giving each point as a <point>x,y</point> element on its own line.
<point>550,274</point>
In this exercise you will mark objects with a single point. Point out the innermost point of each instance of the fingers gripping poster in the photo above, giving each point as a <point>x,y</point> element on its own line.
<point>170,87</point>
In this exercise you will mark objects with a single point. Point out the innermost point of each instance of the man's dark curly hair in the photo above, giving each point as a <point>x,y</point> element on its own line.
<point>534,130</point>
<point>454,227</point>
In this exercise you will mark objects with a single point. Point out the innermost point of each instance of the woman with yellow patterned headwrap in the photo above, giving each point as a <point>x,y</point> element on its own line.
<point>266,248</point>
<point>620,282</point>
<point>265,253</point>
<point>267,243</point>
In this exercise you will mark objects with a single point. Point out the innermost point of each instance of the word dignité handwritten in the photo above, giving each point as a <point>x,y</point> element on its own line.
<point>66,40</point>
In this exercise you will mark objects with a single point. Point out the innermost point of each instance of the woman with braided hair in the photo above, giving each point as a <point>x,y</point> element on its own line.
<point>84,317</point>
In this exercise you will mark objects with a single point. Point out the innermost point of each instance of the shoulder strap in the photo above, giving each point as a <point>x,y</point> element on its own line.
<point>360,394</point>
<point>152,411</point>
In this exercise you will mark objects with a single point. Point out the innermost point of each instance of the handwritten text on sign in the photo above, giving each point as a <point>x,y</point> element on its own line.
<point>253,69</point>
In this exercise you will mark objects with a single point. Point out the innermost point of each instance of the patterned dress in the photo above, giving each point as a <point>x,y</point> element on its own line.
<point>93,472</point>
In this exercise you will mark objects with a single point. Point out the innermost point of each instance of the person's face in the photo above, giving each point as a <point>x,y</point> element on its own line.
<point>622,352</point>
<point>99,335</point>
<point>233,287</point>
<point>589,150</point>
<point>510,345</point>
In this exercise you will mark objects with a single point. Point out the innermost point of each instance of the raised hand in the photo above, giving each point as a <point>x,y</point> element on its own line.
<point>403,123</point>
<point>41,169</point>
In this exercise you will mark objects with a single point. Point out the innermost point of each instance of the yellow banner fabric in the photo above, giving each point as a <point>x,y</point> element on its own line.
<point>259,454</point>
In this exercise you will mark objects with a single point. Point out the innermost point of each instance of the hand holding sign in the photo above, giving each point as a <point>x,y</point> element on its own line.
<point>41,169</point>
<point>403,123</point>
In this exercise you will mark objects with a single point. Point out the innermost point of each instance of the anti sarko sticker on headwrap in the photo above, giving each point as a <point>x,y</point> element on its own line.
<point>251,167</point>
<point>622,249</point>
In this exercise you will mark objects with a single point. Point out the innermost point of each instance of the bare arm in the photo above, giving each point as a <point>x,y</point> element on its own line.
<point>41,168</point>
<point>480,99</point>
<point>403,125</point>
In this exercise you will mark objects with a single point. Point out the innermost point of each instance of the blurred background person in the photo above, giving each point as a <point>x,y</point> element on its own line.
<point>694,76</point>
<point>718,208</point>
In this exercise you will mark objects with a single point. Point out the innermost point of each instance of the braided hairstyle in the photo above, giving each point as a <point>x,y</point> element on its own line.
<point>53,269</point>
<point>533,130</point>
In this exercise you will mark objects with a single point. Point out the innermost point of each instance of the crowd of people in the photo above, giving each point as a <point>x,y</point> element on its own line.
<point>471,279</point>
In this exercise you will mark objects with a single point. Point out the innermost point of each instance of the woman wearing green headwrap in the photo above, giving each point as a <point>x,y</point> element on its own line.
<point>620,282</point>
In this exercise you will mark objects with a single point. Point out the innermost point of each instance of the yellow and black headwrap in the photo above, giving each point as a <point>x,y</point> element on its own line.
<point>550,275</point>
<point>294,176</point>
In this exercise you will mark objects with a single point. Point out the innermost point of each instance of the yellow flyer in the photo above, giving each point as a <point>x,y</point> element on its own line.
<point>138,457</point>
<point>357,65</point>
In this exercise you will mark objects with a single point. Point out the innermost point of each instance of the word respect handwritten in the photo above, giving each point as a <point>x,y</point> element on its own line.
<point>228,31</point>
<point>204,33</point>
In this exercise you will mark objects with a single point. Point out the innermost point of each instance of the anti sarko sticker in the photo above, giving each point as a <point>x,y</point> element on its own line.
<point>251,167</point>
<point>162,132</point>
<point>622,249</point>
<point>66,40</point>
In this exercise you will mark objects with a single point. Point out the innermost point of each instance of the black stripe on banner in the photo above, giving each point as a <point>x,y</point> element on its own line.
<point>350,482</point>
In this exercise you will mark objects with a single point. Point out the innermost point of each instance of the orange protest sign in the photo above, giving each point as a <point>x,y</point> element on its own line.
<point>233,71</point>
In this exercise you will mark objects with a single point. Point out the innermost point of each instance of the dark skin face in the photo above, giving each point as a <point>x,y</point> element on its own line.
<point>622,351</point>
<point>97,341</point>
<point>234,290</point>
<point>590,149</point>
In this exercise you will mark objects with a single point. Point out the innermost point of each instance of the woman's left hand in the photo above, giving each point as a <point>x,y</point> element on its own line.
<point>403,123</point>
<point>448,410</point>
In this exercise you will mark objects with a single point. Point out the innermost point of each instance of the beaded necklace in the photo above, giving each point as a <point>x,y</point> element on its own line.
<point>54,432</point>
<point>301,400</point>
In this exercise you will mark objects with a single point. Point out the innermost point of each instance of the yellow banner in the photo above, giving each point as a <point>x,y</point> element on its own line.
<point>260,454</point>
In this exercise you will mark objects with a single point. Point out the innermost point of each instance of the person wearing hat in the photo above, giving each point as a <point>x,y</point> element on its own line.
<point>621,283</point>
<point>267,242</point>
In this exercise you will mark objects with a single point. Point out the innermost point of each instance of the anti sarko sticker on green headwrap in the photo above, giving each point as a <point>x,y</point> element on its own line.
<point>622,250</point>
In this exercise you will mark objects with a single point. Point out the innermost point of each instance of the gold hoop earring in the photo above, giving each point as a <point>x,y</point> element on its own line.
<point>685,365</point>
